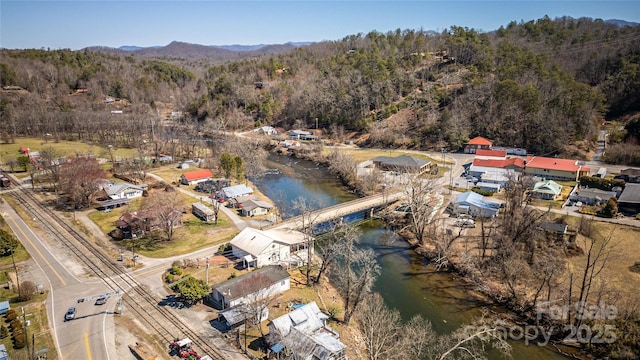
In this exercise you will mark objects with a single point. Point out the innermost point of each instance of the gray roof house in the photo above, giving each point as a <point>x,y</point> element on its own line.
<point>408,164</point>
<point>629,201</point>
<point>592,196</point>
<point>260,283</point>
<point>474,204</point>
<point>255,207</point>
<point>305,334</point>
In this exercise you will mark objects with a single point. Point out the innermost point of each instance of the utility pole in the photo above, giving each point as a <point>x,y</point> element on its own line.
<point>207,276</point>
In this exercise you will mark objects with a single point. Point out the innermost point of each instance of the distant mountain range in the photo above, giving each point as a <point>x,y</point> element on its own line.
<point>177,49</point>
<point>621,23</point>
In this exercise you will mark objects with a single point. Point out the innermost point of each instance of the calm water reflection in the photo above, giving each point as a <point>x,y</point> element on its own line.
<point>407,282</point>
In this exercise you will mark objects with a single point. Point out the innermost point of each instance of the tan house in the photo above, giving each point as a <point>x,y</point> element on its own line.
<point>554,168</point>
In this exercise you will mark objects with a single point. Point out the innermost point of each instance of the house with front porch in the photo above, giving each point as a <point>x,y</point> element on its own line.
<point>259,248</point>
<point>547,190</point>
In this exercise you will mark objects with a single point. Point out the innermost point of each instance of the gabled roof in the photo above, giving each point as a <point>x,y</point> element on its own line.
<point>306,319</point>
<point>558,228</point>
<point>596,194</point>
<point>548,187</point>
<point>117,188</point>
<point>539,162</point>
<point>253,204</point>
<point>198,174</point>
<point>630,194</point>
<point>475,199</point>
<point>496,153</point>
<point>251,282</point>
<point>253,241</point>
<point>479,140</point>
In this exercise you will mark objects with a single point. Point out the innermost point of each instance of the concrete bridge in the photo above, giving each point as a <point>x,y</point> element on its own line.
<point>339,211</point>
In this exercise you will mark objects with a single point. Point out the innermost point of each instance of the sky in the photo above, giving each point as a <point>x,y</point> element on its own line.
<point>77,24</point>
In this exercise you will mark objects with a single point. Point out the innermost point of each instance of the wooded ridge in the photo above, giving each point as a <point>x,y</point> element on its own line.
<point>542,85</point>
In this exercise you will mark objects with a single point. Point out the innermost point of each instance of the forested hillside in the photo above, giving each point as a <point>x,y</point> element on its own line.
<point>541,85</point>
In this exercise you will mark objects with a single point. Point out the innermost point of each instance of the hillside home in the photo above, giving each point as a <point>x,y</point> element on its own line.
<point>629,201</point>
<point>472,203</point>
<point>304,333</point>
<point>554,168</point>
<point>405,164</point>
<point>266,130</point>
<point>195,177</point>
<point>259,248</point>
<point>249,287</point>
<point>592,196</point>
<point>547,190</point>
<point>302,135</point>
<point>477,143</point>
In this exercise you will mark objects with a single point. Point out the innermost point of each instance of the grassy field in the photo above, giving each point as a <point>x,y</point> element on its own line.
<point>361,155</point>
<point>194,234</point>
<point>65,148</point>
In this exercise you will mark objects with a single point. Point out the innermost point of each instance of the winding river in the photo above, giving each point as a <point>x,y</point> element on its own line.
<point>407,282</point>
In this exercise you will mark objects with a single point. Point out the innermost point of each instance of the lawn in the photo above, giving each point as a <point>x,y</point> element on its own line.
<point>65,148</point>
<point>193,235</point>
<point>360,155</point>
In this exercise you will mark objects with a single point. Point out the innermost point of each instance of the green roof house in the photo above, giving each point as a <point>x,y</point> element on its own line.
<point>547,190</point>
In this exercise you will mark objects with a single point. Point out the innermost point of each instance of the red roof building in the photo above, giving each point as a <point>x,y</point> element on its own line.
<point>194,177</point>
<point>484,153</point>
<point>476,143</point>
<point>511,163</point>
<point>554,168</point>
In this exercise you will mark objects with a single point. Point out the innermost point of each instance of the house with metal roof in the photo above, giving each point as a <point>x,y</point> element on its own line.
<point>232,192</point>
<point>195,177</point>
<point>259,248</point>
<point>124,190</point>
<point>304,333</point>
<point>592,196</point>
<point>629,201</point>
<point>250,287</point>
<point>547,190</point>
<point>491,154</point>
<point>203,212</point>
<point>474,204</point>
<point>406,164</point>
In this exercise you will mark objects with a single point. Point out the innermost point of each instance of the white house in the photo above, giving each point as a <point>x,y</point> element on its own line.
<point>203,212</point>
<point>124,190</point>
<point>250,287</point>
<point>304,333</point>
<point>258,248</point>
<point>266,130</point>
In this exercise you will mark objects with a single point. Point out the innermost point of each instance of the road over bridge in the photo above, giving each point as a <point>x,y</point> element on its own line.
<point>338,211</point>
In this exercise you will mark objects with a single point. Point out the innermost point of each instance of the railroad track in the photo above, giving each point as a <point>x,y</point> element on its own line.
<point>162,321</point>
